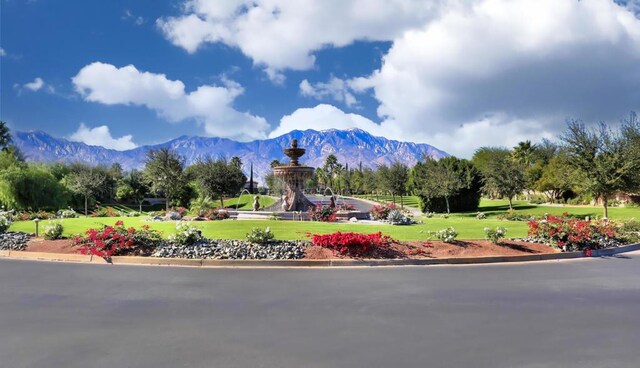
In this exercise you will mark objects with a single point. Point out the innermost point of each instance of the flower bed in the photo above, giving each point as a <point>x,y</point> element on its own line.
<point>573,234</point>
<point>117,240</point>
<point>353,244</point>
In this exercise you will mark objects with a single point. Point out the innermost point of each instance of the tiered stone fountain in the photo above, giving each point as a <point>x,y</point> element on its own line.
<point>294,176</point>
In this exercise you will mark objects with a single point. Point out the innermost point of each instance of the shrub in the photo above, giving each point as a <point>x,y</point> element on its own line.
<point>104,212</point>
<point>447,235</point>
<point>69,213</point>
<point>381,212</point>
<point>202,206</point>
<point>324,214</point>
<point>260,236</point>
<point>346,207</point>
<point>444,216</point>
<point>481,216</point>
<point>173,216</point>
<point>513,215</point>
<point>630,231</point>
<point>495,235</point>
<point>116,240</point>
<point>4,223</point>
<point>396,217</point>
<point>219,214</point>
<point>53,231</point>
<point>186,234</point>
<point>575,234</point>
<point>134,214</point>
<point>352,244</point>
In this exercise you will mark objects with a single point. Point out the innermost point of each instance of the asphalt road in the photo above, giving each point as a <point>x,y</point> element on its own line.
<point>582,313</point>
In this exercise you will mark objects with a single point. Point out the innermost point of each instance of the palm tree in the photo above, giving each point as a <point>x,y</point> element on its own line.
<point>523,152</point>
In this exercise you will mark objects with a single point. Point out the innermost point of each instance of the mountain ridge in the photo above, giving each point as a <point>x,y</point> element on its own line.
<point>350,146</point>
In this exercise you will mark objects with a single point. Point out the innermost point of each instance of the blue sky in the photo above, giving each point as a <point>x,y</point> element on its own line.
<point>456,74</point>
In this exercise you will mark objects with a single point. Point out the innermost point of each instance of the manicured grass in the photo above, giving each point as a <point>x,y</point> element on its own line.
<point>493,208</point>
<point>409,201</point>
<point>236,229</point>
<point>465,223</point>
<point>245,202</point>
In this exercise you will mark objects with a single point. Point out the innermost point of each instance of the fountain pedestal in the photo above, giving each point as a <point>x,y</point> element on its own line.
<point>294,176</point>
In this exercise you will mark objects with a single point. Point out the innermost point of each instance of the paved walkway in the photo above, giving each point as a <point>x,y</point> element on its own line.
<point>581,313</point>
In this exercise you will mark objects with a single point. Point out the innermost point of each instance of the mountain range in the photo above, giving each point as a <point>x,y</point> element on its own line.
<point>353,146</point>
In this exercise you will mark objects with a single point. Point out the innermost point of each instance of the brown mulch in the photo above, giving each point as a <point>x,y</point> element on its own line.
<point>52,246</point>
<point>417,250</point>
<point>438,249</point>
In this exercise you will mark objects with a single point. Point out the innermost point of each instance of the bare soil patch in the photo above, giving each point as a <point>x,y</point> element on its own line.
<point>438,249</point>
<point>52,246</point>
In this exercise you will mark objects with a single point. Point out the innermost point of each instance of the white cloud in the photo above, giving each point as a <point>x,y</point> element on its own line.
<point>324,117</point>
<point>336,89</point>
<point>34,86</point>
<point>515,63</point>
<point>101,136</point>
<point>137,20</point>
<point>209,105</point>
<point>2,52</point>
<point>283,34</point>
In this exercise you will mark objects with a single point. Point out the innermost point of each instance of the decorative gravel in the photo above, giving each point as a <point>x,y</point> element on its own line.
<point>13,241</point>
<point>232,249</point>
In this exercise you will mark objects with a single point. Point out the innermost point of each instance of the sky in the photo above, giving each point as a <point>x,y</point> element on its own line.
<point>457,74</point>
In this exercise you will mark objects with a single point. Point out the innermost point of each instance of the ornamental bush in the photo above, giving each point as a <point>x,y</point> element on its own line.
<point>117,240</point>
<point>495,235</point>
<point>185,234</point>
<point>447,235</point>
<point>575,234</point>
<point>69,213</point>
<point>396,217</point>
<point>381,212</point>
<point>324,214</point>
<point>353,244</point>
<point>260,236</point>
<point>104,212</point>
<point>4,223</point>
<point>53,231</point>
<point>218,214</point>
<point>481,216</point>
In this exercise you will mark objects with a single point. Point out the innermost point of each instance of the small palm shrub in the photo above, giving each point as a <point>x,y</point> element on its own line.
<point>53,231</point>
<point>260,236</point>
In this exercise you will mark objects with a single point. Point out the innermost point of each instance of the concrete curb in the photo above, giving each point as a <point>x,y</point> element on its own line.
<point>79,258</point>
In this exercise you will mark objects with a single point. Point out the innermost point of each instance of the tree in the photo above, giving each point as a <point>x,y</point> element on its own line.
<point>217,178</point>
<point>236,161</point>
<point>5,136</point>
<point>505,176</point>
<point>524,153</point>
<point>609,160</point>
<point>31,187</point>
<point>132,187</point>
<point>164,171</point>
<point>441,179</point>
<point>394,179</point>
<point>86,181</point>
<point>274,183</point>
<point>275,163</point>
<point>331,167</point>
<point>557,177</point>
<point>448,184</point>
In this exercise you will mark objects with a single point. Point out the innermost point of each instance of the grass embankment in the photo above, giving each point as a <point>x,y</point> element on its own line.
<point>465,223</point>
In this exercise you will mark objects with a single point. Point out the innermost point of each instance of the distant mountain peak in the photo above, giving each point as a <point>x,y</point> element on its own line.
<point>350,146</point>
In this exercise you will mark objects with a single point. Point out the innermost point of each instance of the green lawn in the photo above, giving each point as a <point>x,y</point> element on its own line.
<point>234,229</point>
<point>245,202</point>
<point>493,208</point>
<point>410,201</point>
<point>465,223</point>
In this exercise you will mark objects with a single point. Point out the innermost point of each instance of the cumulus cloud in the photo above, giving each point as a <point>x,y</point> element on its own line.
<point>322,117</point>
<point>2,52</point>
<point>336,89</point>
<point>209,105</point>
<point>101,136</point>
<point>283,34</point>
<point>34,86</point>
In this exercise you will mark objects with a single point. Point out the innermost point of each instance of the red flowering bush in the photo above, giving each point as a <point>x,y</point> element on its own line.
<point>353,244</point>
<point>27,216</point>
<point>573,233</point>
<point>323,213</point>
<point>381,212</point>
<point>117,240</point>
